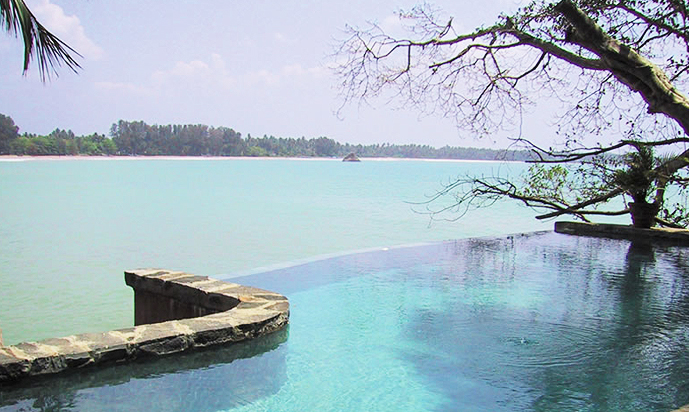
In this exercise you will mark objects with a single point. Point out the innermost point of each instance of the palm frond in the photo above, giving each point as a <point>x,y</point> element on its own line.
<point>49,51</point>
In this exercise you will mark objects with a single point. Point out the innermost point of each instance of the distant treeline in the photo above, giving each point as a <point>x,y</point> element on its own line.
<point>140,139</point>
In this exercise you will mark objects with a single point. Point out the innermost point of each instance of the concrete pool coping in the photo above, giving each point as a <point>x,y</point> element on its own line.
<point>174,312</point>
<point>616,231</point>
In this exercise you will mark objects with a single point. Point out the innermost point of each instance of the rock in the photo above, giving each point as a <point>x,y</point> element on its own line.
<point>351,158</point>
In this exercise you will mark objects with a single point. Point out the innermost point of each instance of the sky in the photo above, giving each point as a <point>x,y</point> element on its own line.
<point>260,67</point>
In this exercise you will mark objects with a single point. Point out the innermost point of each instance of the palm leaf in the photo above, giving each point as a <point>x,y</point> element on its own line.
<point>49,51</point>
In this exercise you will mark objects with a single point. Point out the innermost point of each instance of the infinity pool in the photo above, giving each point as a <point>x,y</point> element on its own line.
<point>541,322</point>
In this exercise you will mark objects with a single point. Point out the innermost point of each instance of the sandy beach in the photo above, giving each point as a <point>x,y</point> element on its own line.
<point>14,158</point>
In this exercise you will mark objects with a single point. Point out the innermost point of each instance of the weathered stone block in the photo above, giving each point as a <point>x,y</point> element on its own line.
<point>13,368</point>
<point>78,360</point>
<point>165,346</point>
<point>112,353</point>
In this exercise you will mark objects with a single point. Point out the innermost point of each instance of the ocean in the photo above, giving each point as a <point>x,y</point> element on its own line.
<point>71,226</point>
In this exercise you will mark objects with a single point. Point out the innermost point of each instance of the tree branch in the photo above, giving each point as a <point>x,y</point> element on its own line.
<point>575,209</point>
<point>654,22</point>
<point>632,69</point>
<point>555,50</point>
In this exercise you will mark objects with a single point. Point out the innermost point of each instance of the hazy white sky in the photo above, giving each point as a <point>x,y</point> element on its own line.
<point>259,67</point>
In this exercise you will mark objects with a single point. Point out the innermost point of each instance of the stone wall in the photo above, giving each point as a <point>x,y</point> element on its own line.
<point>166,305</point>
<point>160,296</point>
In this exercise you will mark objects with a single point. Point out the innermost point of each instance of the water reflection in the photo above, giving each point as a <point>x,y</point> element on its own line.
<point>206,380</point>
<point>605,331</point>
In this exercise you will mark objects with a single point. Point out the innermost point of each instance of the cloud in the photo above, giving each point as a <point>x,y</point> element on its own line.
<point>288,73</point>
<point>298,70</point>
<point>211,75</point>
<point>392,25</point>
<point>263,76</point>
<point>280,38</point>
<point>182,69</point>
<point>128,88</point>
<point>67,28</point>
<point>214,72</point>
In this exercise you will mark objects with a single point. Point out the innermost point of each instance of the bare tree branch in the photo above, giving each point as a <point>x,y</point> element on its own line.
<point>596,57</point>
<point>629,67</point>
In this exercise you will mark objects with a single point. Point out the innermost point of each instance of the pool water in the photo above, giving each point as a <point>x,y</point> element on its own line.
<point>539,322</point>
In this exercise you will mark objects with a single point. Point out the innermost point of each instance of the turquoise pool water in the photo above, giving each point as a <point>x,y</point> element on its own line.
<point>542,322</point>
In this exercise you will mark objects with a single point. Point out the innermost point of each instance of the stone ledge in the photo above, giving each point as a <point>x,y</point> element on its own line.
<point>678,236</point>
<point>252,312</point>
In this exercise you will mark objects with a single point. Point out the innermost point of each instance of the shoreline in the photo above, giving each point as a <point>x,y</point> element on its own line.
<point>28,158</point>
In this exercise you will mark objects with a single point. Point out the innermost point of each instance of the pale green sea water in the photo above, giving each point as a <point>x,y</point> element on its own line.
<point>70,228</point>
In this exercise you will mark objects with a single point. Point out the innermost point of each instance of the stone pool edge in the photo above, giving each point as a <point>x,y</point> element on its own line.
<point>616,231</point>
<point>229,313</point>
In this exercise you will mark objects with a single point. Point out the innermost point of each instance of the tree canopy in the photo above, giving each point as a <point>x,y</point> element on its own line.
<point>8,132</point>
<point>137,138</point>
<point>616,66</point>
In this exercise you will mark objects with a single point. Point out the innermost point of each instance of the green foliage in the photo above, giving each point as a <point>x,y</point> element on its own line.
<point>566,183</point>
<point>140,139</point>
<point>637,177</point>
<point>542,179</point>
<point>636,174</point>
<point>19,145</point>
<point>8,132</point>
<point>58,142</point>
<point>256,151</point>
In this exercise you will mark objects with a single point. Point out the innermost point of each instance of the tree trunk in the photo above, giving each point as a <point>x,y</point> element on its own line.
<point>643,214</point>
<point>630,68</point>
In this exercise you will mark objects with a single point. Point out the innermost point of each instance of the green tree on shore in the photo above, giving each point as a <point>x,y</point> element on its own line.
<point>8,132</point>
<point>141,139</point>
